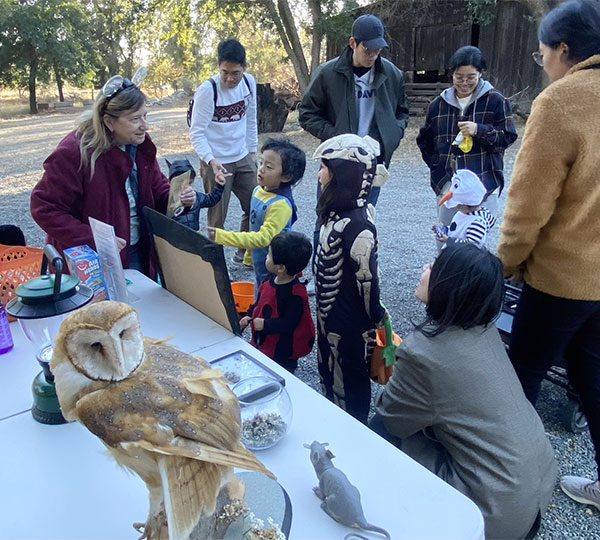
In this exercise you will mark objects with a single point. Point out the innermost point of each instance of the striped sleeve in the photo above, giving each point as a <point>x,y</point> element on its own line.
<point>476,233</point>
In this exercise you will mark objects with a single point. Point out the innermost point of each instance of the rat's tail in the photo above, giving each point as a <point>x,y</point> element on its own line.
<point>368,527</point>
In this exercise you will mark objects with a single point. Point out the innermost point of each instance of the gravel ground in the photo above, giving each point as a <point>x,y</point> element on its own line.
<point>405,213</point>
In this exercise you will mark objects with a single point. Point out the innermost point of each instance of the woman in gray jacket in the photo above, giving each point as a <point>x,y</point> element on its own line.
<point>455,405</point>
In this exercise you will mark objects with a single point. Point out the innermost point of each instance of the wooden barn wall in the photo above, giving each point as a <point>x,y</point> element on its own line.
<point>436,25</point>
<point>423,34</point>
<point>507,44</point>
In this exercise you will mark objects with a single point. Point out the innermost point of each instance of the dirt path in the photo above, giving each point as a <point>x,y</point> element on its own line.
<point>405,213</point>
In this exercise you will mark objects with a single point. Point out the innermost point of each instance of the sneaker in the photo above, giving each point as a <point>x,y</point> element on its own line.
<point>239,259</point>
<point>582,490</point>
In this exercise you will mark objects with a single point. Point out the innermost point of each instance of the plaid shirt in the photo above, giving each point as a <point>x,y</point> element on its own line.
<point>495,132</point>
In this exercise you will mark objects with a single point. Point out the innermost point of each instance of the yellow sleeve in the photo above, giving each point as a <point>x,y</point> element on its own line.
<point>276,218</point>
<point>542,165</point>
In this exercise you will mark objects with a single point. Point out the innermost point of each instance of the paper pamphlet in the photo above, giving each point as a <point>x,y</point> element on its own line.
<point>178,184</point>
<point>106,247</point>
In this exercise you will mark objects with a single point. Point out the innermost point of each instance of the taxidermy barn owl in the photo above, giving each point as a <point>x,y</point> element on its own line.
<point>165,415</point>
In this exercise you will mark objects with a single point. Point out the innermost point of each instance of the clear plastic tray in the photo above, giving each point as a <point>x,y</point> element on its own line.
<point>240,365</point>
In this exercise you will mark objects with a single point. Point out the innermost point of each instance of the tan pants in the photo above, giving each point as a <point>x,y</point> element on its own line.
<point>242,181</point>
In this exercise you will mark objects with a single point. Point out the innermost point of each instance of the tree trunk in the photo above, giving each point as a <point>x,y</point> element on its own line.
<point>290,27</point>
<point>59,83</point>
<point>317,35</point>
<point>32,76</point>
<point>296,57</point>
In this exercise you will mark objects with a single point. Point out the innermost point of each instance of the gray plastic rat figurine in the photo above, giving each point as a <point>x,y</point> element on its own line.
<point>341,500</point>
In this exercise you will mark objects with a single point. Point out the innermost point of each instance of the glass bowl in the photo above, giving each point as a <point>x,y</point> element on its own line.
<point>265,410</point>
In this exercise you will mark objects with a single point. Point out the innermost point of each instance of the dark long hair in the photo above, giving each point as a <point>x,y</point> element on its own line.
<point>466,289</point>
<point>576,23</point>
<point>327,195</point>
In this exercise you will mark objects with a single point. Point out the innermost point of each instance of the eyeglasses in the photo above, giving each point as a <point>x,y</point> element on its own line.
<point>117,83</point>
<point>237,74</point>
<point>372,52</point>
<point>469,79</point>
<point>538,58</point>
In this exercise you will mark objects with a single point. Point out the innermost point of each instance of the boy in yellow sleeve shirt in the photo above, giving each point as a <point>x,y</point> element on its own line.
<point>272,208</point>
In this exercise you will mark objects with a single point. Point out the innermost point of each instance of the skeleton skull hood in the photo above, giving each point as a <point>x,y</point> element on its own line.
<point>353,163</point>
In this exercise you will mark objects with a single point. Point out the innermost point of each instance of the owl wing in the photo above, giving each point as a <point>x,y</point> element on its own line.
<point>190,490</point>
<point>179,410</point>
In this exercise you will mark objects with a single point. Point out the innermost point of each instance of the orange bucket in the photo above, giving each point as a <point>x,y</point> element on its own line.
<point>381,373</point>
<point>243,295</point>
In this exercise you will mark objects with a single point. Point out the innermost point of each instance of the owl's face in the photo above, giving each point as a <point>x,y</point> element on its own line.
<point>104,341</point>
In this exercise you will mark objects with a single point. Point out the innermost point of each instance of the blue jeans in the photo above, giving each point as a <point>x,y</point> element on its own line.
<point>135,258</point>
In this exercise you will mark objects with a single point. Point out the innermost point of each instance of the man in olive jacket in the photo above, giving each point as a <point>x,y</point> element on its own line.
<point>358,92</point>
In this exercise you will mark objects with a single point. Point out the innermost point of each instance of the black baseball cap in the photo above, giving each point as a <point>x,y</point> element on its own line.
<point>369,30</point>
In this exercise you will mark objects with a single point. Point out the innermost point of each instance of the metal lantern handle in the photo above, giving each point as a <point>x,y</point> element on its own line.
<point>53,256</point>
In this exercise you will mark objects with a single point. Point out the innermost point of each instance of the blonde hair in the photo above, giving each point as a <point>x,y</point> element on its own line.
<point>96,138</point>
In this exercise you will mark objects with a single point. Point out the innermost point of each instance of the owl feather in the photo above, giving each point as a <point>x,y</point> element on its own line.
<point>165,415</point>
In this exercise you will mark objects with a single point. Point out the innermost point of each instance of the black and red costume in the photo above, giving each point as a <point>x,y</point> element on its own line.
<point>289,331</point>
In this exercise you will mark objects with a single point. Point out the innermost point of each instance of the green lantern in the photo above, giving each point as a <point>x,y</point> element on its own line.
<point>40,306</point>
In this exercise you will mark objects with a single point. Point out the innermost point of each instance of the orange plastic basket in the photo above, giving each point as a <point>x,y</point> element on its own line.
<point>17,265</point>
<point>243,295</point>
<point>381,373</point>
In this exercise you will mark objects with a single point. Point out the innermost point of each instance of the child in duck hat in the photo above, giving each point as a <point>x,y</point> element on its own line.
<point>472,221</point>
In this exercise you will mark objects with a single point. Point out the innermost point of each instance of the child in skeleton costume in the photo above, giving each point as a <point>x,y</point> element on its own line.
<point>345,268</point>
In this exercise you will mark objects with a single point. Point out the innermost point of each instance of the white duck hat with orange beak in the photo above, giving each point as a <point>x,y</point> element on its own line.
<point>465,188</point>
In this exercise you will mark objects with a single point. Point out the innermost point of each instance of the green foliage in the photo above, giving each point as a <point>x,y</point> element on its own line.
<point>118,29</point>
<point>336,22</point>
<point>184,36</point>
<point>481,12</point>
<point>44,38</point>
<point>84,42</point>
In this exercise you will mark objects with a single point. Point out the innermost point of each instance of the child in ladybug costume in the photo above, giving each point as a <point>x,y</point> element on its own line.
<point>282,327</point>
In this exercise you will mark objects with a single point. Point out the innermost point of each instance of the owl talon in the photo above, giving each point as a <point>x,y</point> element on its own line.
<point>141,528</point>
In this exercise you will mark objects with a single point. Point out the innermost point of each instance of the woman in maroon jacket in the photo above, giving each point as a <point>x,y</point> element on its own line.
<point>105,169</point>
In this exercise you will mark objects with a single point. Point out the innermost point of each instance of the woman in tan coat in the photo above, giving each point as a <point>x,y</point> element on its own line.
<point>551,230</point>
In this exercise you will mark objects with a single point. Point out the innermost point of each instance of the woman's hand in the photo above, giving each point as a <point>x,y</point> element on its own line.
<point>467,128</point>
<point>245,321</point>
<point>211,232</point>
<point>188,196</point>
<point>258,324</point>
<point>121,243</point>
<point>517,277</point>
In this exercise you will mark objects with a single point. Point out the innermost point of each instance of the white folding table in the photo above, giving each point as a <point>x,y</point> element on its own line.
<point>58,482</point>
